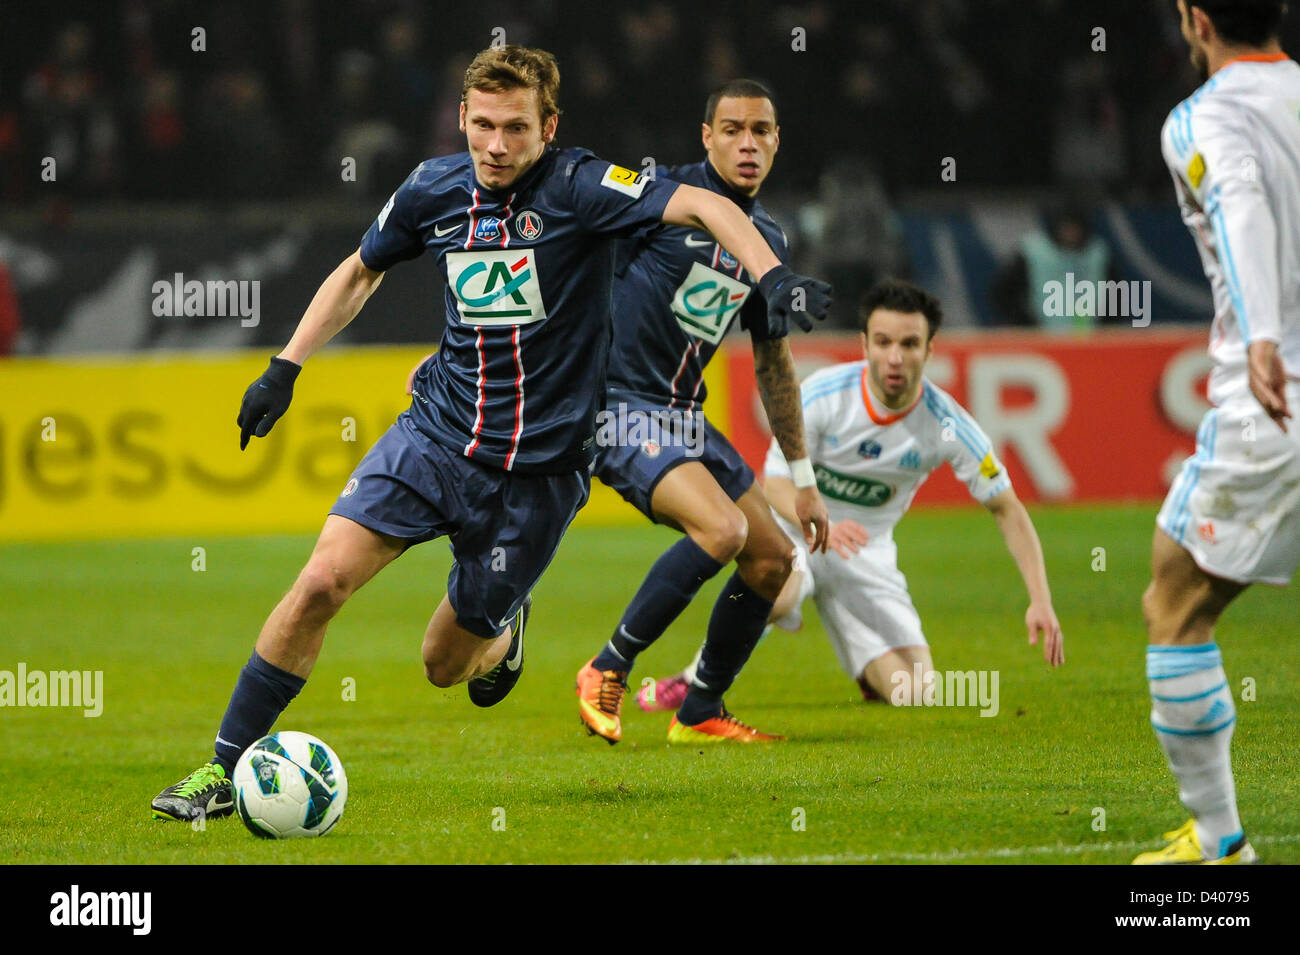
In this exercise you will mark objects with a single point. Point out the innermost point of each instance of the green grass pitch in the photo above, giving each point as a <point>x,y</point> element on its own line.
<point>433,779</point>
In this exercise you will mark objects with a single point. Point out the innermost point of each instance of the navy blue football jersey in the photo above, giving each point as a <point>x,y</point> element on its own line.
<point>520,373</point>
<point>676,293</point>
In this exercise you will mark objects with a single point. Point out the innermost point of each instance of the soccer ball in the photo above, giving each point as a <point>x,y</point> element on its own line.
<point>289,785</point>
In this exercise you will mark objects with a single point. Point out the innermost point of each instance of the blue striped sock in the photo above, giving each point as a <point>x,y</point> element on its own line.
<point>1193,715</point>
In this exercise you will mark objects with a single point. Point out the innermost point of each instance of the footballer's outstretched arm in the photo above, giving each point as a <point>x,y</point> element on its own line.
<point>779,389</point>
<point>335,303</point>
<point>1022,540</point>
<point>789,296</point>
<point>697,208</point>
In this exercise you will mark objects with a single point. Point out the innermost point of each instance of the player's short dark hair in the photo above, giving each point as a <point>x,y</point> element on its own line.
<point>742,88</point>
<point>897,295</point>
<point>511,67</point>
<point>1247,22</point>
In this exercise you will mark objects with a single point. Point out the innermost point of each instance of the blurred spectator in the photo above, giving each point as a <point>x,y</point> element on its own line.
<point>406,82</point>
<point>10,324</point>
<point>1088,141</point>
<point>444,134</point>
<point>1021,93</point>
<point>243,141</point>
<point>69,118</point>
<point>160,169</point>
<point>854,235</point>
<point>1066,252</point>
<point>661,126</point>
<point>366,137</point>
<point>13,182</point>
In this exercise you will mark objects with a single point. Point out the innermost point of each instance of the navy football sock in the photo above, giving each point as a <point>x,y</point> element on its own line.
<point>261,693</point>
<point>737,624</point>
<point>672,583</point>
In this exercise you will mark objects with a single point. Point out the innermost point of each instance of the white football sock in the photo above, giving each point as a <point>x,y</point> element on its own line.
<point>1193,714</point>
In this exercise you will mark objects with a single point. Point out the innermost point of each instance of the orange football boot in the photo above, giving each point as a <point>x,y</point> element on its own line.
<point>600,701</point>
<point>718,730</point>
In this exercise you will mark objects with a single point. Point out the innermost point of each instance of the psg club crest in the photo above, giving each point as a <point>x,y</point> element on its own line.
<point>350,489</point>
<point>650,449</point>
<point>488,228</point>
<point>528,225</point>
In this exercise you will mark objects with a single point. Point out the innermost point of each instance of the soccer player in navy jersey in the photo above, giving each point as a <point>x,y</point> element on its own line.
<point>495,448</point>
<point>677,292</point>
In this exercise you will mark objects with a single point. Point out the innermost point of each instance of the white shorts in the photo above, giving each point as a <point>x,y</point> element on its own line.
<point>1235,505</point>
<point>863,601</point>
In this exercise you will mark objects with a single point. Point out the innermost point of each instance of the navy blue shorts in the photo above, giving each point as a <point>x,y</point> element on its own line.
<point>504,527</point>
<point>638,443</point>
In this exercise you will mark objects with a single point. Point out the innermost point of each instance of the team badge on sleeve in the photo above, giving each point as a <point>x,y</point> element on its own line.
<point>989,466</point>
<point>626,181</point>
<point>1196,170</point>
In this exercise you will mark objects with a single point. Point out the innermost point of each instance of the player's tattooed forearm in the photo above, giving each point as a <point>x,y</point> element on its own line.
<point>779,389</point>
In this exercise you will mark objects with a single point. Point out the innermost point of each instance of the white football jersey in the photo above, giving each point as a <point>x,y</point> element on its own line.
<point>870,461</point>
<point>1233,148</point>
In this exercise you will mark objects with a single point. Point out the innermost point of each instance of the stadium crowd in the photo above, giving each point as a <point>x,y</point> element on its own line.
<point>122,97</point>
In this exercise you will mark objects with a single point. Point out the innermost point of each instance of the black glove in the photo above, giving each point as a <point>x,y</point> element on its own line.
<point>777,286</point>
<point>266,400</point>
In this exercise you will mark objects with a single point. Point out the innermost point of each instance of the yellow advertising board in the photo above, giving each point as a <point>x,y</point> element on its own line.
<point>145,446</point>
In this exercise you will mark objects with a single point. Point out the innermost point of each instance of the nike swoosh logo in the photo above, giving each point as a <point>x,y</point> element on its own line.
<point>216,802</point>
<point>695,243</point>
<point>441,232</point>
<point>515,662</point>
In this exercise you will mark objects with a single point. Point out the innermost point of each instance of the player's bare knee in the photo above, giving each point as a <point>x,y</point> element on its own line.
<point>443,673</point>
<point>439,676</point>
<point>766,574</point>
<point>724,535</point>
<point>322,589</point>
<point>1183,616</point>
<point>775,555</point>
<point>776,565</point>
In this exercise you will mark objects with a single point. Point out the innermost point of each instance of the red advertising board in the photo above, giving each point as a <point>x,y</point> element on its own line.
<point>1107,417</point>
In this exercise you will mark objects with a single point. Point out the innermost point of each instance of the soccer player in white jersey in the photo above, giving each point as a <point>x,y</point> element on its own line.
<point>1232,517</point>
<point>875,429</point>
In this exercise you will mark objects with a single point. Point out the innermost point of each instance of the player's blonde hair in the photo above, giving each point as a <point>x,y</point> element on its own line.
<point>510,67</point>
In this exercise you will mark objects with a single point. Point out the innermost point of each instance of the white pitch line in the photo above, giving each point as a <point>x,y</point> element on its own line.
<point>957,855</point>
